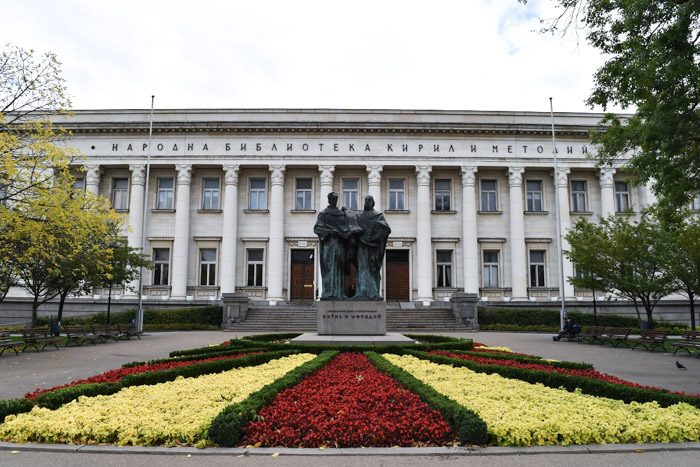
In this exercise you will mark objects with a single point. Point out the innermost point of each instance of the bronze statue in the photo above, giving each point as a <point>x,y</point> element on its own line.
<point>351,237</point>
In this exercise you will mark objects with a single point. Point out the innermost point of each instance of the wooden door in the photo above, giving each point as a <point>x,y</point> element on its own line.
<point>397,276</point>
<point>302,275</point>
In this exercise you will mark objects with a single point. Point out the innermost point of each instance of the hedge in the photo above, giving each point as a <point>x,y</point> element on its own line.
<point>528,359</point>
<point>221,353</point>
<point>200,317</point>
<point>14,406</point>
<point>466,424</point>
<point>55,399</point>
<point>227,428</point>
<point>555,380</point>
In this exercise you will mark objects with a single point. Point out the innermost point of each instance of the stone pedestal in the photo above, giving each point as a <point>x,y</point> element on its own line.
<point>235,308</point>
<point>464,307</point>
<point>351,318</point>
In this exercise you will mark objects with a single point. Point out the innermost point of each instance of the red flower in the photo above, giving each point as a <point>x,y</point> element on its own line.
<point>348,403</point>
<point>112,376</point>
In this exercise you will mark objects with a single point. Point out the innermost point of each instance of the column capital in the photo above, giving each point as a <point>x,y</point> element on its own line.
<point>561,177</point>
<point>515,176</point>
<point>92,174</point>
<point>184,174</point>
<point>606,177</point>
<point>231,174</point>
<point>138,174</point>
<point>277,177</point>
<point>423,174</point>
<point>374,174</point>
<point>468,176</point>
<point>326,174</point>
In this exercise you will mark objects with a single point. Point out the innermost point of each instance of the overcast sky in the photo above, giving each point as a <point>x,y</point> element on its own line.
<point>465,54</point>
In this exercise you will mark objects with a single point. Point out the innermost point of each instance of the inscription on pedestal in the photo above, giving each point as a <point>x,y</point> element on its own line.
<point>351,318</point>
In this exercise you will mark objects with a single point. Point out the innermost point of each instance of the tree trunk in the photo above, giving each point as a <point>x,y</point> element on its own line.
<point>35,308</point>
<point>639,315</point>
<point>61,301</point>
<point>691,298</point>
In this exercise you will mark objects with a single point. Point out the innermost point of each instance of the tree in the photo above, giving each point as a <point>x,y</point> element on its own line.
<point>682,258</point>
<point>625,258</point>
<point>125,266</point>
<point>653,66</point>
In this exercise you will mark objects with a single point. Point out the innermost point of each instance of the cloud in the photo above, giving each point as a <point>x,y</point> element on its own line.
<point>365,54</point>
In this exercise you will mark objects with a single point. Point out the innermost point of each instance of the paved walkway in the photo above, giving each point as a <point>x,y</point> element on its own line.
<point>31,370</point>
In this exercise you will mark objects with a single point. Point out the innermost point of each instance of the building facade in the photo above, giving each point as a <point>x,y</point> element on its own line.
<point>232,196</point>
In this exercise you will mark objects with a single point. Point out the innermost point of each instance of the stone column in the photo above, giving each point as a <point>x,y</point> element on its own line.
<point>424,243</point>
<point>326,187</point>
<point>647,197</point>
<point>275,251</point>
<point>229,233</point>
<point>561,180</point>
<point>182,232</point>
<point>92,178</point>
<point>607,192</point>
<point>136,196</point>
<point>518,261</point>
<point>374,180</point>
<point>470,244</point>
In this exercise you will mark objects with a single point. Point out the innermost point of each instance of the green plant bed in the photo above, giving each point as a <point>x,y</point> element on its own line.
<point>188,318</point>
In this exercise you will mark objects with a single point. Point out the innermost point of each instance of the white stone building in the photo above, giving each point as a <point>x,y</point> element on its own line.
<point>233,196</point>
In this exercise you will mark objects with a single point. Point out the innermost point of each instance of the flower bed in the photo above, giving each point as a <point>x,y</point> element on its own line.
<point>348,403</point>
<point>523,414</point>
<point>170,413</point>
<point>112,376</point>
<point>552,367</point>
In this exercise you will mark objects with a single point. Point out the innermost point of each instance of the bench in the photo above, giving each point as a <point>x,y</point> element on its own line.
<point>39,338</point>
<point>615,336</point>
<point>689,340</point>
<point>649,339</point>
<point>105,332</point>
<point>590,333</point>
<point>78,335</point>
<point>128,331</point>
<point>7,343</point>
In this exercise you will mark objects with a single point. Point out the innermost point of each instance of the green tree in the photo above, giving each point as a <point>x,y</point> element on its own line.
<point>683,258</point>
<point>652,67</point>
<point>626,259</point>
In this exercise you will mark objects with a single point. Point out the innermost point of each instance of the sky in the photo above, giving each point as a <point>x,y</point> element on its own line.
<point>380,54</point>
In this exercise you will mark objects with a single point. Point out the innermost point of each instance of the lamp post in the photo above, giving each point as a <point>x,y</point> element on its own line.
<point>113,246</point>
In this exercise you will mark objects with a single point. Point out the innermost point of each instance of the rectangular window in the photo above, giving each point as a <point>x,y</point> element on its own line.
<point>303,194</point>
<point>210,193</point>
<point>537,268</point>
<point>578,196</point>
<point>488,195</point>
<point>161,268</point>
<point>257,200</point>
<point>622,197</point>
<point>444,268</point>
<point>79,184</point>
<point>397,194</point>
<point>442,194</point>
<point>351,193</point>
<point>490,270</point>
<point>165,193</point>
<point>255,267</point>
<point>120,194</point>
<point>534,195</point>
<point>695,204</point>
<point>207,266</point>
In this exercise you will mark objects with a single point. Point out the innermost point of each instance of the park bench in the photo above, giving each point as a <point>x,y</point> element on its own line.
<point>689,340</point>
<point>590,333</point>
<point>39,338</point>
<point>7,343</point>
<point>105,332</point>
<point>78,335</point>
<point>129,330</point>
<point>615,336</point>
<point>649,339</point>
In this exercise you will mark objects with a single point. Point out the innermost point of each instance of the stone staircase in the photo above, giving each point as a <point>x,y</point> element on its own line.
<point>302,318</point>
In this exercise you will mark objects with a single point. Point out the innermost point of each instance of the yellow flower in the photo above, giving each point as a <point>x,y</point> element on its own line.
<point>523,414</point>
<point>171,413</point>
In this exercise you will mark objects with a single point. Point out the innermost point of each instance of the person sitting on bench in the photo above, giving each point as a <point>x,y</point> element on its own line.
<point>569,331</point>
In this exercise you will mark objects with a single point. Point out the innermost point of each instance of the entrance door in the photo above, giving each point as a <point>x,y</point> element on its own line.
<point>302,275</point>
<point>396,276</point>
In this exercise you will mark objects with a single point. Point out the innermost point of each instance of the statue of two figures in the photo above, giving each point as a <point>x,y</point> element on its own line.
<point>350,239</point>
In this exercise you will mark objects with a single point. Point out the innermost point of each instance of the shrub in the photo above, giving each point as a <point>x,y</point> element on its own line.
<point>14,406</point>
<point>195,317</point>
